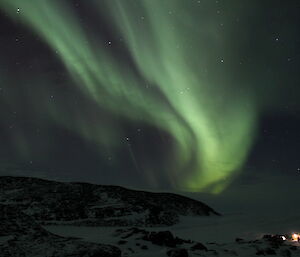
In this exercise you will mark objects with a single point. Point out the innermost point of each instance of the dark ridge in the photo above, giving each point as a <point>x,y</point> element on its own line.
<point>51,202</point>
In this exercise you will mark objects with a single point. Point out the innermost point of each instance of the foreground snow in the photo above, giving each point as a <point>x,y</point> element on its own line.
<point>250,211</point>
<point>191,229</point>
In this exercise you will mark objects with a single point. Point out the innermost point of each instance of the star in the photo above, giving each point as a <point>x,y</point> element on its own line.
<point>165,73</point>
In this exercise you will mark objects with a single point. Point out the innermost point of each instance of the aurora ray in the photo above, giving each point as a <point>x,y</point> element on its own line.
<point>178,50</point>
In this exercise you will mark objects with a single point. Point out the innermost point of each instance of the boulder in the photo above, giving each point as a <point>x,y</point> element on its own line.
<point>178,253</point>
<point>199,246</point>
<point>162,238</point>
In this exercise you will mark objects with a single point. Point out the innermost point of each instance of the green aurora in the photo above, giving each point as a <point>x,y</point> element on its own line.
<point>177,50</point>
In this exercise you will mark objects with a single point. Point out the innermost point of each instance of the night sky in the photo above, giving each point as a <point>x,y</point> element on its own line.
<point>159,94</point>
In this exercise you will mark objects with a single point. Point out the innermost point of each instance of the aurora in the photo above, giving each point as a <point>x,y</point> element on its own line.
<point>174,48</point>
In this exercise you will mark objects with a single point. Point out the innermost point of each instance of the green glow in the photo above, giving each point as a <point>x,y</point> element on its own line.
<point>176,48</point>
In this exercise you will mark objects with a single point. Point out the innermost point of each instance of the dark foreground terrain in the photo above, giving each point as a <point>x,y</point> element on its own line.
<point>26,204</point>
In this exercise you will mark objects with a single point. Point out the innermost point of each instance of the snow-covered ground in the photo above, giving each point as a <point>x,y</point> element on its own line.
<point>250,210</point>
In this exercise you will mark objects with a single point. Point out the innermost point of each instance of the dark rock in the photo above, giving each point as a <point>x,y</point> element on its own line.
<point>199,246</point>
<point>178,253</point>
<point>239,240</point>
<point>267,236</point>
<point>274,239</point>
<point>132,232</point>
<point>144,247</point>
<point>180,241</point>
<point>162,238</point>
<point>293,248</point>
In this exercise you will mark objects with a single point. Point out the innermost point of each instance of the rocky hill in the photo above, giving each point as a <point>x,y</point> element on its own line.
<point>50,202</point>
